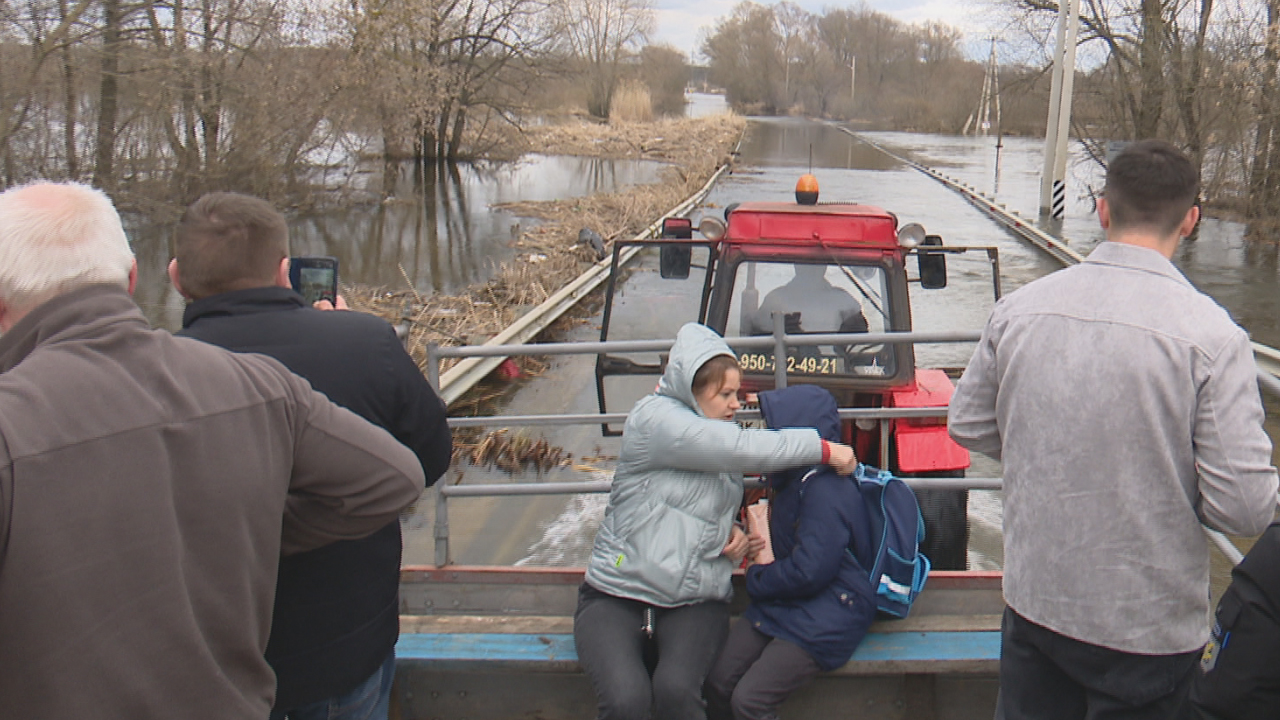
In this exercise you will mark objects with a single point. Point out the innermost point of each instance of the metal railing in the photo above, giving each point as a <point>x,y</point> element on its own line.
<point>780,343</point>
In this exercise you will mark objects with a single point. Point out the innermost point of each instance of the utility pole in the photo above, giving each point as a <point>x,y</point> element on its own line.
<point>853,76</point>
<point>1053,193</point>
<point>990,99</point>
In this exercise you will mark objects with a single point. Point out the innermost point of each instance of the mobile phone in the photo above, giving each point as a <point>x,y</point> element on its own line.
<point>314,278</point>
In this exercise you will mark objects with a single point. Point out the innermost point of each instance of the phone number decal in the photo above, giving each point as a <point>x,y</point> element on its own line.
<point>759,362</point>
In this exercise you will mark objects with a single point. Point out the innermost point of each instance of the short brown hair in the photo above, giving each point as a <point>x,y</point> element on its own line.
<point>713,371</point>
<point>228,241</point>
<point>1151,184</point>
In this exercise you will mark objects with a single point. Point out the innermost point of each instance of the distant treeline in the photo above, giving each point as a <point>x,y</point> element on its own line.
<point>164,99</point>
<point>856,63</point>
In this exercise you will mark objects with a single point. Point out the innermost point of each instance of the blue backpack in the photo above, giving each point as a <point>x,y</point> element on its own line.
<point>894,563</point>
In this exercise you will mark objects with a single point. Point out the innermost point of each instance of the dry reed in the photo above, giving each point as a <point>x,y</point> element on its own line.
<point>631,103</point>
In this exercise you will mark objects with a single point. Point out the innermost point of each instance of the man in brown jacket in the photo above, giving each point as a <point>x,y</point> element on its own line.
<point>149,484</point>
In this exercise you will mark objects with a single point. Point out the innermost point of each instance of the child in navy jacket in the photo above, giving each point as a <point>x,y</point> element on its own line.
<point>813,604</point>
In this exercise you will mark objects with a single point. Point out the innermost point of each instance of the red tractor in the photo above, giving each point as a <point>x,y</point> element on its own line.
<point>814,269</point>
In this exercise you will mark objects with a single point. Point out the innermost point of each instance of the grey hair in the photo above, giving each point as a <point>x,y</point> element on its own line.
<point>57,237</point>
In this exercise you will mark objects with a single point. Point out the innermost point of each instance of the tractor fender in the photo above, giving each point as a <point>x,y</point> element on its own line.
<point>923,444</point>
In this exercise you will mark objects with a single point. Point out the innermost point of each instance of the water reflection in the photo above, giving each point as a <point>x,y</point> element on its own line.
<point>437,229</point>
<point>797,142</point>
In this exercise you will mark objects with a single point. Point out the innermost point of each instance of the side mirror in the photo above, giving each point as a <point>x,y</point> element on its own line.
<point>933,265</point>
<point>674,260</point>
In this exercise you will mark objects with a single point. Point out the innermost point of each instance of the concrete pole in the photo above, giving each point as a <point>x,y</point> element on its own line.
<point>1059,205</point>
<point>1055,146</point>
<point>853,76</point>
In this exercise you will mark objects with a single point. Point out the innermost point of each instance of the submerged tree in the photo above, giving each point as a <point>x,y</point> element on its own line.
<point>435,69</point>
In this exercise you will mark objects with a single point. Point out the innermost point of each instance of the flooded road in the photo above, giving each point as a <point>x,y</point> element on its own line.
<point>556,531</point>
<point>774,153</point>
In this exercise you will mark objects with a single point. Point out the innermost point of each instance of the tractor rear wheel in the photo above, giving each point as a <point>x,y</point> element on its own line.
<point>946,523</point>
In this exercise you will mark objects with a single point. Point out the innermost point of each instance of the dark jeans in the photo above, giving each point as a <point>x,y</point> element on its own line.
<point>370,700</point>
<point>613,648</point>
<point>1047,676</point>
<point>755,674</point>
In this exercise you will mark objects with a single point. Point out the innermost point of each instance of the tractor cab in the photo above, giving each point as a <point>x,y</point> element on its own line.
<point>816,270</point>
<point>795,269</point>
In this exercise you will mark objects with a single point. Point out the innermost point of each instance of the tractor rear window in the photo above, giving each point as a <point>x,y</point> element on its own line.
<point>812,298</point>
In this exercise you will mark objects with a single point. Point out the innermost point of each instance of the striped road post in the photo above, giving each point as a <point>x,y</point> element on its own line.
<point>1059,199</point>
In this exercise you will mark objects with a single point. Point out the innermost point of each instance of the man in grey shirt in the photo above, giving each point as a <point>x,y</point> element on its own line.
<point>1124,405</point>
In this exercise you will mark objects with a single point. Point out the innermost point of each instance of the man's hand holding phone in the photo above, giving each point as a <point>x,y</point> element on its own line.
<point>315,278</point>
<point>341,304</point>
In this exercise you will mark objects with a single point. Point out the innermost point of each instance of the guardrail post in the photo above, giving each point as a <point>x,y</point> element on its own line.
<point>442,528</point>
<point>779,350</point>
<point>993,256</point>
<point>433,366</point>
<point>884,443</point>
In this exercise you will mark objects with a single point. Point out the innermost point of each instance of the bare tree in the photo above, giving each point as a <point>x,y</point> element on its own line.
<point>1264,174</point>
<point>792,23</point>
<point>665,72</point>
<point>600,35</point>
<point>436,69</point>
<point>43,31</point>
<point>108,98</point>
<point>745,58</point>
<point>784,59</point>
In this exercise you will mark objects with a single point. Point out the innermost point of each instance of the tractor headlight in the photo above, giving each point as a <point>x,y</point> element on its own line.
<point>911,236</point>
<point>712,229</point>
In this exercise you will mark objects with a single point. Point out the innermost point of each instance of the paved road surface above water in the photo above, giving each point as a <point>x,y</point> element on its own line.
<point>556,530</point>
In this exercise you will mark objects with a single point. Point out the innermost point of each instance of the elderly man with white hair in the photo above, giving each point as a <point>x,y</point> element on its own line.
<point>149,484</point>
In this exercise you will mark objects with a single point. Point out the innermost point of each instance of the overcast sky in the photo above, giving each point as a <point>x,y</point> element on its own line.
<point>681,23</point>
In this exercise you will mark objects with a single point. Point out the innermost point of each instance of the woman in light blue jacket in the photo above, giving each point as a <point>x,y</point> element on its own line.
<point>654,609</point>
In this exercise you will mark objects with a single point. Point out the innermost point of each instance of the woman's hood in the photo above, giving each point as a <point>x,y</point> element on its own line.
<point>695,344</point>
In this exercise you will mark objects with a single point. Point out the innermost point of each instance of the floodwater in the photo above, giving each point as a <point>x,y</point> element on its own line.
<point>1236,266</point>
<point>436,229</point>
<point>552,531</point>
<point>704,104</point>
